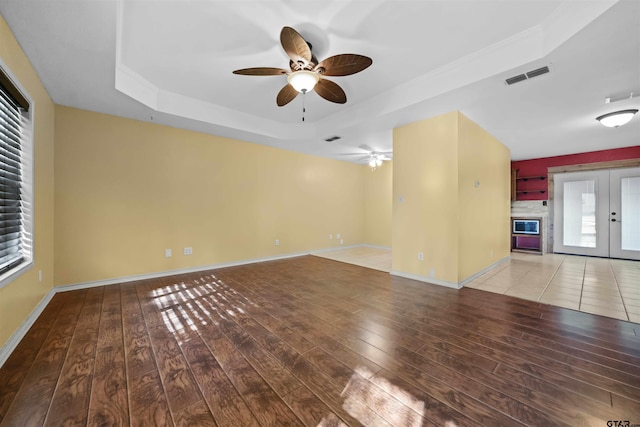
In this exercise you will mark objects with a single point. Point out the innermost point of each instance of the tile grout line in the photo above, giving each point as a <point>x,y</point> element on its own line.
<point>551,278</point>
<point>613,272</point>
<point>584,272</point>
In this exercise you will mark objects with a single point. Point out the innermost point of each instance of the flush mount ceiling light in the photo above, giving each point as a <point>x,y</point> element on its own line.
<point>617,118</point>
<point>303,81</point>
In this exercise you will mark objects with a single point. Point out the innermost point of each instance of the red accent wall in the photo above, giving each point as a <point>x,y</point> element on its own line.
<point>538,167</point>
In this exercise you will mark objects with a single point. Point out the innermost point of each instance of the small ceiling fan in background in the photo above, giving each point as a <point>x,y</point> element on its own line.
<point>306,73</point>
<point>372,157</point>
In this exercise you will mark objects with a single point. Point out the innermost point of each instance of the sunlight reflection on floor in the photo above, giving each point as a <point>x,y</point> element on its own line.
<point>331,420</point>
<point>398,406</point>
<point>188,306</point>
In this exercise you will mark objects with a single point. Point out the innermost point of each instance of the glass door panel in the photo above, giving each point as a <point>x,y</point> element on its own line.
<point>581,201</point>
<point>630,211</point>
<point>579,216</point>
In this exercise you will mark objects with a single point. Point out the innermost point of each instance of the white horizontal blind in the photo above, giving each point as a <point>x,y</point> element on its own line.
<point>11,201</point>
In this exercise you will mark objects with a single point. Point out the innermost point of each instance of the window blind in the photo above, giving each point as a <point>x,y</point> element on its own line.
<point>11,203</point>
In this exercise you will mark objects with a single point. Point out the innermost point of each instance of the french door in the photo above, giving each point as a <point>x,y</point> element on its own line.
<point>597,213</point>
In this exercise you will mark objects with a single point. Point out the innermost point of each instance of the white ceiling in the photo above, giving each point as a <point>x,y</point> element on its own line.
<point>171,62</point>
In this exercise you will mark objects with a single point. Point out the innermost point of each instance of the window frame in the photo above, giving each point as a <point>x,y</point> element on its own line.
<point>27,190</point>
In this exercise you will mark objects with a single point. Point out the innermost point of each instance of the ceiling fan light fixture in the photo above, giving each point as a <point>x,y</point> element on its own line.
<point>375,161</point>
<point>303,81</point>
<point>617,118</point>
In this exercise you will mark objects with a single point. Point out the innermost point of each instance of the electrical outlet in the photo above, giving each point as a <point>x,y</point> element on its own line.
<point>330,236</point>
<point>341,242</point>
<point>188,251</point>
<point>167,253</point>
<point>40,275</point>
<point>420,256</point>
<point>277,242</point>
<point>338,236</point>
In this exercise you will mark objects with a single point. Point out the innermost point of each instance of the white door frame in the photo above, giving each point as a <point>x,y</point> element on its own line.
<point>608,212</point>
<point>616,218</point>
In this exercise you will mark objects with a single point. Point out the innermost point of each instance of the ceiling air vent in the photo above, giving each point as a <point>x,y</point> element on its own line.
<point>538,72</point>
<point>528,75</point>
<point>333,138</point>
<point>516,79</point>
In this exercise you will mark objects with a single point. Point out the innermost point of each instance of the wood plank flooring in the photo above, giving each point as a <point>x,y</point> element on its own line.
<point>311,341</point>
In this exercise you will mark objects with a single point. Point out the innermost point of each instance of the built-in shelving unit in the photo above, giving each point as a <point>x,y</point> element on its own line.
<point>534,184</point>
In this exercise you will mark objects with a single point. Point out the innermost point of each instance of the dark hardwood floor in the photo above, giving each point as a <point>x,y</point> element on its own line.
<point>310,341</point>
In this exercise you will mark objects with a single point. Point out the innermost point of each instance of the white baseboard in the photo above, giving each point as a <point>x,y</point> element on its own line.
<point>425,279</point>
<point>14,340</point>
<point>481,272</point>
<point>453,285</point>
<point>125,279</point>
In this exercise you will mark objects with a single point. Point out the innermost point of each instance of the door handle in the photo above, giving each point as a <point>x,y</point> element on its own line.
<point>614,220</point>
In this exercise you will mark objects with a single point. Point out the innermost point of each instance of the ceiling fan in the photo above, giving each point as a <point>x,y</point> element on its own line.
<point>307,73</point>
<point>372,157</point>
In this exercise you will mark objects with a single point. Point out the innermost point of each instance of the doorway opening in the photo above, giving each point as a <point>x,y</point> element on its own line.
<point>597,213</point>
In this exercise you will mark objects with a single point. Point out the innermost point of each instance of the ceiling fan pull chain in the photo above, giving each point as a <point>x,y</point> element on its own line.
<point>304,93</point>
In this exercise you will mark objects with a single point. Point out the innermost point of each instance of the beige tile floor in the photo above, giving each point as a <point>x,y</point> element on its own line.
<point>607,287</point>
<point>364,256</point>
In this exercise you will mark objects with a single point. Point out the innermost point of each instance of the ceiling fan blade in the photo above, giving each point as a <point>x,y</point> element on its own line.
<point>261,71</point>
<point>286,95</point>
<point>366,147</point>
<point>330,91</point>
<point>295,46</point>
<point>343,65</point>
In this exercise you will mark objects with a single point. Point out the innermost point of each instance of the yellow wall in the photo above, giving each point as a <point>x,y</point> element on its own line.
<point>438,210</point>
<point>20,297</point>
<point>425,201</point>
<point>126,190</point>
<point>378,195</point>
<point>484,171</point>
